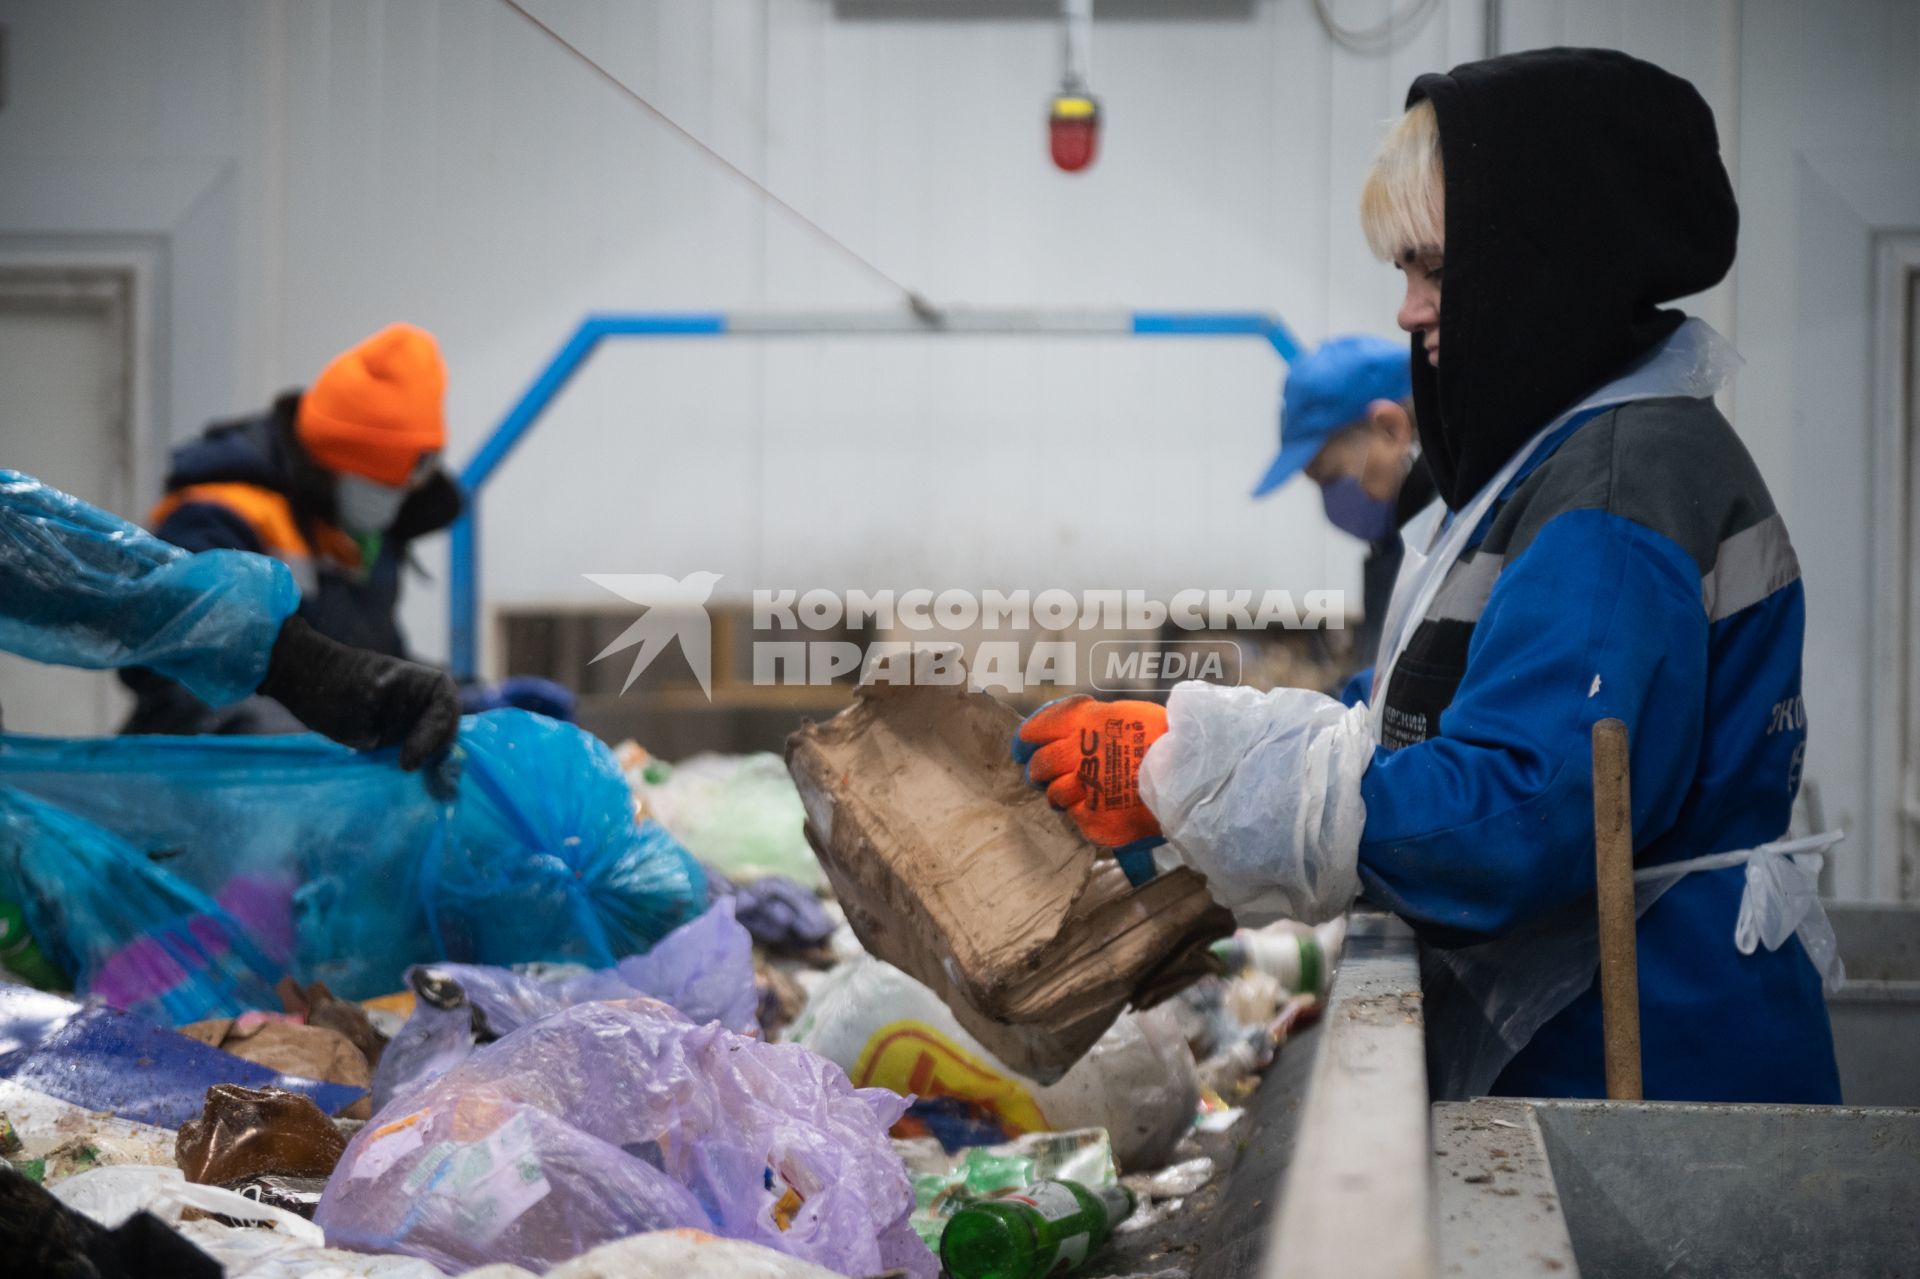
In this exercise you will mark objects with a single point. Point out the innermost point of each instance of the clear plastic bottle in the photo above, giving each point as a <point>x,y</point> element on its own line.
<point>1050,1228</point>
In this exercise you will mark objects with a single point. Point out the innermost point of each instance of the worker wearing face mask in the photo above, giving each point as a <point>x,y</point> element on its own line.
<point>336,482</point>
<point>1346,423</point>
<point>1604,548</point>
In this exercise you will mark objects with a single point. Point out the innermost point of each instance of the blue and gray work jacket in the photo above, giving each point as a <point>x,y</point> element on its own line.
<point>1635,568</point>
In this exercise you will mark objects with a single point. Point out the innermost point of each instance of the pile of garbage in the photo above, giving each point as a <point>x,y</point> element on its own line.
<point>558,1010</point>
<point>182,877</point>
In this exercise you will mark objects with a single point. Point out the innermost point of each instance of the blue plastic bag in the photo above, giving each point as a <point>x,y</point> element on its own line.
<point>349,871</point>
<point>780,913</point>
<point>80,587</point>
<point>120,926</point>
<point>546,861</point>
<point>315,849</point>
<point>106,1059</point>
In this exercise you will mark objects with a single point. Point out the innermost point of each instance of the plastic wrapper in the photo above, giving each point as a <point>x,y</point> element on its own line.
<point>739,814</point>
<point>127,930</point>
<point>85,588</point>
<point>1161,1196</point>
<point>111,1195</point>
<point>244,1132</point>
<point>1137,1082</point>
<point>1175,1181</point>
<point>1260,793</point>
<point>703,969</point>
<point>608,1119</point>
<point>348,870</point>
<point>297,1194</point>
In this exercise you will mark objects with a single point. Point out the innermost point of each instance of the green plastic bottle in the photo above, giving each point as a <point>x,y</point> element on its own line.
<point>1050,1228</point>
<point>21,955</point>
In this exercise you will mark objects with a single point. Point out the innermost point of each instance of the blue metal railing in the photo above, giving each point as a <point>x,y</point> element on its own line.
<point>464,565</point>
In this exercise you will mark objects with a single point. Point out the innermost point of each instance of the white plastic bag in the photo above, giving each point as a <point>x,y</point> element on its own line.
<point>1260,793</point>
<point>686,1254</point>
<point>1138,1082</point>
<point>739,814</point>
<point>111,1195</point>
<point>246,1253</point>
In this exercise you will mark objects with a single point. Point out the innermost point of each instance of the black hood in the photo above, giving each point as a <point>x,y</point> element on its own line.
<point>1583,189</point>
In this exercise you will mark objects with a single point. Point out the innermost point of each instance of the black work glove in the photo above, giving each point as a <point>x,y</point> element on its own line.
<point>362,699</point>
<point>432,506</point>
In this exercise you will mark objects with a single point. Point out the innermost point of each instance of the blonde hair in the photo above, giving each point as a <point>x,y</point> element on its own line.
<point>1402,204</point>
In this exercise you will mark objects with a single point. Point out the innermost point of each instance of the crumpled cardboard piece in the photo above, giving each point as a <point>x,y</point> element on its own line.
<point>951,867</point>
<point>315,1005</point>
<point>309,1052</point>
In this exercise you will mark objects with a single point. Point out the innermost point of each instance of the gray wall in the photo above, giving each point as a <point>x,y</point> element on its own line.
<point>307,171</point>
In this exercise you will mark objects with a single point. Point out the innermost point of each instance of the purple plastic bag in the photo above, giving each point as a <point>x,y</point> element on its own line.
<point>607,1119</point>
<point>777,911</point>
<point>703,968</point>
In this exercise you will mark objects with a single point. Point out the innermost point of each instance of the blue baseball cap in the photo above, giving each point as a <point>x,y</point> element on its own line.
<point>1329,389</point>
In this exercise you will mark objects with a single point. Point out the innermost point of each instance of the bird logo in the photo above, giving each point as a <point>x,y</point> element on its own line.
<point>676,609</point>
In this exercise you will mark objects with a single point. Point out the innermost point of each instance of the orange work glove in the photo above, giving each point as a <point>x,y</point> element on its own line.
<point>1086,755</point>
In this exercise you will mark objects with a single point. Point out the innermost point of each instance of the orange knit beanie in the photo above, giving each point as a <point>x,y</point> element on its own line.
<point>378,406</point>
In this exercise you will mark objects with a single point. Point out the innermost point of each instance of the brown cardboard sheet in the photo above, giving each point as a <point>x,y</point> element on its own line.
<point>954,869</point>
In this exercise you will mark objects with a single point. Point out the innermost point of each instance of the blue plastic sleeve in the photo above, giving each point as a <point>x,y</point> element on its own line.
<point>80,587</point>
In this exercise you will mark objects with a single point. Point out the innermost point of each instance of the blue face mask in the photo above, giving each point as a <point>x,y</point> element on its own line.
<point>1352,510</point>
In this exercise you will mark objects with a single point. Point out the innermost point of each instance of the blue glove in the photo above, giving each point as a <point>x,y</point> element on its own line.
<point>522,692</point>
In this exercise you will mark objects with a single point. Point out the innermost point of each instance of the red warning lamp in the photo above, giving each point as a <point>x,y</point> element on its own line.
<point>1073,122</point>
<point>1073,129</point>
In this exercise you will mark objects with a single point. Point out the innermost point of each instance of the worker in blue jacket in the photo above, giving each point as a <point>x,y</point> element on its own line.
<point>1604,548</point>
<point>79,587</point>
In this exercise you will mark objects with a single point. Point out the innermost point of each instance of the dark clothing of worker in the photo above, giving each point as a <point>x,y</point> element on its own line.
<point>248,485</point>
<point>1634,567</point>
<point>80,587</point>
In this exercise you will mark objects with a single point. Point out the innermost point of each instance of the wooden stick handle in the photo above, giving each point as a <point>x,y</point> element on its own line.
<point>1613,866</point>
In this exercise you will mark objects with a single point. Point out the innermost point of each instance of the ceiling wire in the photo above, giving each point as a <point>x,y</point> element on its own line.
<point>914,300</point>
<point>1382,37</point>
